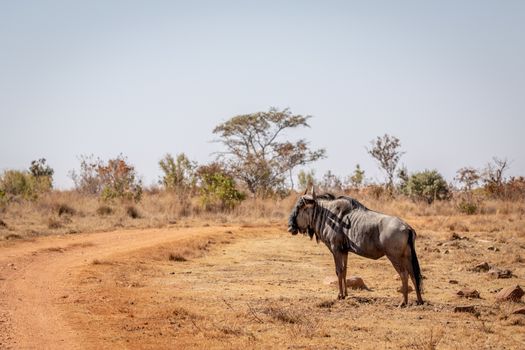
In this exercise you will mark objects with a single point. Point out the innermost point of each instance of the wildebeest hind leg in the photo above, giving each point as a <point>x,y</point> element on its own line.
<point>416,286</point>
<point>403,273</point>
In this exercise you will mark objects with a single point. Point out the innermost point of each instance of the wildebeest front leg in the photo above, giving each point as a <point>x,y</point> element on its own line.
<point>345,266</point>
<point>340,270</point>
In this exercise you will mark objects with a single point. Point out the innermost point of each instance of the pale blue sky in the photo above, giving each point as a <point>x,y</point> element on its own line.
<point>149,77</point>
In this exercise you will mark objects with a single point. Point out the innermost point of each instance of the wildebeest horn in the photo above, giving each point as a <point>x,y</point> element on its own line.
<point>305,190</point>
<point>313,193</point>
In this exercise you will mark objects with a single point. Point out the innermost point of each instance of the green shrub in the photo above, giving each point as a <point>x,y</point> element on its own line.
<point>179,174</point>
<point>26,184</point>
<point>427,185</point>
<point>467,207</point>
<point>217,188</point>
<point>15,183</point>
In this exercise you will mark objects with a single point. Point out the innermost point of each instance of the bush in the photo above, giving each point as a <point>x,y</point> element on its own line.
<point>116,179</point>
<point>217,188</point>
<point>87,181</point>
<point>427,185</point>
<point>515,188</point>
<point>119,180</point>
<point>42,175</point>
<point>15,183</point>
<point>179,174</point>
<point>467,207</point>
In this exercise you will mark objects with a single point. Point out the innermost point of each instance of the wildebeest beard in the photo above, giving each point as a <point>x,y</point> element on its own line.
<point>311,233</point>
<point>292,223</point>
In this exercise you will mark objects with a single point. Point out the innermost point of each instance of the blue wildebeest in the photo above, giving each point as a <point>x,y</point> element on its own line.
<point>345,225</point>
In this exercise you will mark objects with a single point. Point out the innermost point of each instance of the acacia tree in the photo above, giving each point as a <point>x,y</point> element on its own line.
<point>468,177</point>
<point>386,151</point>
<point>257,155</point>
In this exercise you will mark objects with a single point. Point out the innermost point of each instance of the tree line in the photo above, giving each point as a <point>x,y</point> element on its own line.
<point>257,160</point>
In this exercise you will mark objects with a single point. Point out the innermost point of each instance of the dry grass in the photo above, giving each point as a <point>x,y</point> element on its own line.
<point>101,262</point>
<point>69,212</point>
<point>176,257</point>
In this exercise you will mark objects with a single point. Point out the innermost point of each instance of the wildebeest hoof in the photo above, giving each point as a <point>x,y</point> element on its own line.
<point>402,305</point>
<point>420,302</point>
<point>340,297</point>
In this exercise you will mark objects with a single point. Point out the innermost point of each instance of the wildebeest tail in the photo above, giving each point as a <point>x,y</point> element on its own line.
<point>415,263</point>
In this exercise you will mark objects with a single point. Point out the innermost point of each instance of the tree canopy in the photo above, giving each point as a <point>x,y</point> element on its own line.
<point>386,151</point>
<point>256,153</point>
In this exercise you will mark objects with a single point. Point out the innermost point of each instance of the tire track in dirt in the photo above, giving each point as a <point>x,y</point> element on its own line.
<point>37,281</point>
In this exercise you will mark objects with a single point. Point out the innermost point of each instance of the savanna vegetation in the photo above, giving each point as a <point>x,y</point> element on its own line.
<point>252,179</point>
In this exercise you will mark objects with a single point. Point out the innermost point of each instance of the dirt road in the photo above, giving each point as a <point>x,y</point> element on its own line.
<point>38,280</point>
<point>236,287</point>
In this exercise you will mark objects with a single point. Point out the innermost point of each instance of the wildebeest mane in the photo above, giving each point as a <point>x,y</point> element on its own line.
<point>354,203</point>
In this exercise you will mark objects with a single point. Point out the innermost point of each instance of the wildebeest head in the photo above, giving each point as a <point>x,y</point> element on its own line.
<point>301,217</point>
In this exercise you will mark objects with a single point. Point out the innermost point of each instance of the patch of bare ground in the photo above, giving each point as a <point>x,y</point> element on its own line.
<point>258,287</point>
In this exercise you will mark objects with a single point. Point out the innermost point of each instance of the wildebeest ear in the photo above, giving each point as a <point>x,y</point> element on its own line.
<point>305,190</point>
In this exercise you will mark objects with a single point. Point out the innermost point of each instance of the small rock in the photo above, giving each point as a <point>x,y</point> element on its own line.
<point>496,249</point>
<point>512,293</point>
<point>355,282</point>
<point>468,293</point>
<point>453,282</point>
<point>454,236</point>
<point>467,308</point>
<point>499,273</point>
<point>446,251</point>
<point>483,267</point>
